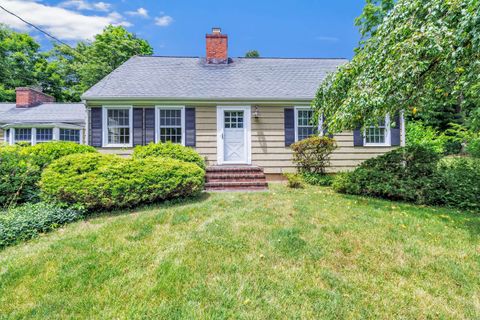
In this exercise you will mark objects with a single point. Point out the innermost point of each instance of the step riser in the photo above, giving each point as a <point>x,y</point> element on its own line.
<point>235,178</point>
<point>237,189</point>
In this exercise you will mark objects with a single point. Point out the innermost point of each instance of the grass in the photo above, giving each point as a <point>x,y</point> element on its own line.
<point>287,253</point>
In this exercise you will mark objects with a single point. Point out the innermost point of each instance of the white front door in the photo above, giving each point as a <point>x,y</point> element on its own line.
<point>234,137</point>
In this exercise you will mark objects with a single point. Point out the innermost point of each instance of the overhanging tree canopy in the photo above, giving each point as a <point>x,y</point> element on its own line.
<point>425,55</point>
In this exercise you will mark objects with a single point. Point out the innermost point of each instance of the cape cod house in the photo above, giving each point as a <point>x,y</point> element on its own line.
<point>241,114</point>
<point>234,111</point>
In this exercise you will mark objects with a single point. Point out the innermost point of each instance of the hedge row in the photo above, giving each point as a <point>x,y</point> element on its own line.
<point>416,174</point>
<point>103,182</point>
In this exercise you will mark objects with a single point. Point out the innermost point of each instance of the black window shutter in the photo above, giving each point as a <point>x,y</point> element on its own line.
<point>96,127</point>
<point>357,138</point>
<point>190,128</point>
<point>395,130</point>
<point>149,125</point>
<point>289,126</point>
<point>137,126</point>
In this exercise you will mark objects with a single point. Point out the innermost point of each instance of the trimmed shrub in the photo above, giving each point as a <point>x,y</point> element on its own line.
<point>21,167</point>
<point>313,154</point>
<point>26,222</point>
<point>456,184</point>
<point>169,150</point>
<point>18,177</point>
<point>317,179</point>
<point>294,181</point>
<point>103,182</point>
<point>401,174</point>
<point>43,154</point>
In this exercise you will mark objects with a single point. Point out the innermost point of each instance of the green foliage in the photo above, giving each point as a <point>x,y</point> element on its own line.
<point>317,179</point>
<point>17,177</point>
<point>27,221</point>
<point>294,181</point>
<point>252,54</point>
<point>313,154</point>
<point>372,16</point>
<point>473,148</point>
<point>402,174</point>
<point>169,150</point>
<point>102,182</point>
<point>19,54</point>
<point>419,134</point>
<point>21,167</point>
<point>43,154</point>
<point>456,184</point>
<point>423,57</point>
<point>90,62</point>
<point>416,174</point>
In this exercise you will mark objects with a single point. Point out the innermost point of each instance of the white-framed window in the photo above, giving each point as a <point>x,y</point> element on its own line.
<point>43,134</point>
<point>378,135</point>
<point>304,126</point>
<point>7,136</point>
<point>72,135</point>
<point>117,126</point>
<point>170,124</point>
<point>23,135</point>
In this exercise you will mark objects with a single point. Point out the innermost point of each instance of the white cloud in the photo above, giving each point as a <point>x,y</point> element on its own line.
<point>140,12</point>
<point>328,39</point>
<point>163,21</point>
<point>85,5</point>
<point>63,23</point>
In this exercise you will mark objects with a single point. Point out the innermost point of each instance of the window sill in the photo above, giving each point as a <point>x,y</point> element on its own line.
<point>117,146</point>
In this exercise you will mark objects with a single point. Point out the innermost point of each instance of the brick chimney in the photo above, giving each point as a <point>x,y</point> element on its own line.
<point>29,97</point>
<point>217,47</point>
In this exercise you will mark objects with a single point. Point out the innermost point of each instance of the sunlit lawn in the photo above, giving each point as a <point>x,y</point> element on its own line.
<point>306,253</point>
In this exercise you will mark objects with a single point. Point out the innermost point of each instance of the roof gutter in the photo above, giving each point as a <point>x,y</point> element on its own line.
<point>199,101</point>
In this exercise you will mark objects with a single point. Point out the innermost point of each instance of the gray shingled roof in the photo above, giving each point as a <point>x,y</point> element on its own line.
<point>187,78</point>
<point>44,113</point>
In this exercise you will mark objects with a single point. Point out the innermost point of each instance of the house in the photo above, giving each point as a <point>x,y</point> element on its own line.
<point>36,118</point>
<point>234,111</point>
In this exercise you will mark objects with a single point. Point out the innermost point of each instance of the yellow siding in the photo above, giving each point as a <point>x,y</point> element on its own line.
<point>2,135</point>
<point>206,124</point>
<point>268,142</point>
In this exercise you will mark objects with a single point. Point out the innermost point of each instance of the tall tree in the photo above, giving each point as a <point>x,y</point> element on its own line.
<point>422,58</point>
<point>252,54</point>
<point>372,16</point>
<point>88,63</point>
<point>19,55</point>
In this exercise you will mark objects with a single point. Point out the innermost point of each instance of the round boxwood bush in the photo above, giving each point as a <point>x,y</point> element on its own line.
<point>103,182</point>
<point>169,150</point>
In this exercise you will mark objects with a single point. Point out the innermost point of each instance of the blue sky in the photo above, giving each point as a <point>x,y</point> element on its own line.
<point>306,28</point>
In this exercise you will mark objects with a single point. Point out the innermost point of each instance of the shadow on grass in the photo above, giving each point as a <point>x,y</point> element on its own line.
<point>469,220</point>
<point>166,204</point>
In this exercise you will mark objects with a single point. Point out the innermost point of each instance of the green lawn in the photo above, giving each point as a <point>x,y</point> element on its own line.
<point>287,253</point>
